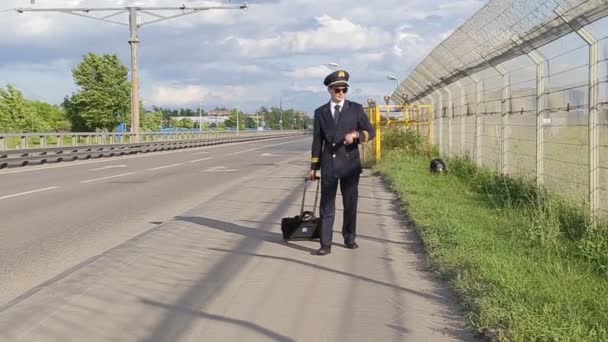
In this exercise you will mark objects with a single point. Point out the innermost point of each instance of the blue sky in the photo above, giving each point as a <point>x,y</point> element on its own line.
<point>244,59</point>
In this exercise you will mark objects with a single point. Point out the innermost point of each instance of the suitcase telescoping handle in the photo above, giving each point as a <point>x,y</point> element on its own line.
<point>304,197</point>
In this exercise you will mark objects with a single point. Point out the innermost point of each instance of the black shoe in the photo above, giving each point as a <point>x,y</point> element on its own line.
<point>352,245</point>
<point>324,251</point>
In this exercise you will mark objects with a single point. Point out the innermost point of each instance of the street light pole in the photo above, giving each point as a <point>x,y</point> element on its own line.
<point>281,110</point>
<point>200,116</point>
<point>393,78</point>
<point>237,121</point>
<point>134,42</point>
<point>134,31</point>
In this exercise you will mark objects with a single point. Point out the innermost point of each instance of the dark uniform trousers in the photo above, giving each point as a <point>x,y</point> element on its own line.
<point>349,186</point>
<point>340,164</point>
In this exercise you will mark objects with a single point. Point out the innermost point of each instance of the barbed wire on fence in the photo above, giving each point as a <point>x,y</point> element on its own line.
<point>521,88</point>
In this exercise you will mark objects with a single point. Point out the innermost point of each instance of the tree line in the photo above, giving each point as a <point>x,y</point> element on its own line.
<point>102,103</point>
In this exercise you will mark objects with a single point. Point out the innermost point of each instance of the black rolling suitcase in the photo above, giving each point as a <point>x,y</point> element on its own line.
<point>305,226</point>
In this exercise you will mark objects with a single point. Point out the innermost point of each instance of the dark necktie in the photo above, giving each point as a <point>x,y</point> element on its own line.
<point>337,113</point>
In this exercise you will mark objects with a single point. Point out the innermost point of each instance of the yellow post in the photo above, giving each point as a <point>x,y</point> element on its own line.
<point>378,140</point>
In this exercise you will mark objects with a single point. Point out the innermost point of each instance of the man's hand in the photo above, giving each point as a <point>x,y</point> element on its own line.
<point>313,175</point>
<point>351,137</point>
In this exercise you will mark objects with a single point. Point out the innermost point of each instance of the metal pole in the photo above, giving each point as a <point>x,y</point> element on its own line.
<point>477,147</point>
<point>450,113</point>
<point>237,122</point>
<point>200,116</point>
<point>463,123</point>
<point>440,110</point>
<point>540,110</point>
<point>541,71</point>
<point>432,115</point>
<point>134,41</point>
<point>505,129</point>
<point>594,155</point>
<point>592,126</point>
<point>281,110</point>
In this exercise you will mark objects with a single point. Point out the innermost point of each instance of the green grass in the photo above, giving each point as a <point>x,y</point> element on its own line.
<point>526,265</point>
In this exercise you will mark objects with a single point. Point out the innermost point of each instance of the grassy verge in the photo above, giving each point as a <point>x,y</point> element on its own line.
<point>527,266</point>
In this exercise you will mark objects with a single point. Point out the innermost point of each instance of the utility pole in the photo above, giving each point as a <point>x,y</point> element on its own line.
<point>281,110</point>
<point>134,26</point>
<point>134,41</point>
<point>237,121</point>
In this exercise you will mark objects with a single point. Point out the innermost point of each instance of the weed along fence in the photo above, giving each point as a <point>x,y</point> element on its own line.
<point>417,118</point>
<point>521,88</point>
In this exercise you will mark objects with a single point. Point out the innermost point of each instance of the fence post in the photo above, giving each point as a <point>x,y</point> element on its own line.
<point>592,126</point>
<point>2,143</point>
<point>432,115</point>
<point>539,60</point>
<point>463,101</point>
<point>450,114</point>
<point>478,154</point>
<point>504,122</point>
<point>439,111</point>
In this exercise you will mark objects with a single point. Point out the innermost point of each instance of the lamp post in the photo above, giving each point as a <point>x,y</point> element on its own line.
<point>200,116</point>
<point>393,78</point>
<point>281,110</point>
<point>237,121</point>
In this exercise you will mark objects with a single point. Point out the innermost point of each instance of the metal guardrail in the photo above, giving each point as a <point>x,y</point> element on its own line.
<point>25,141</point>
<point>156,142</point>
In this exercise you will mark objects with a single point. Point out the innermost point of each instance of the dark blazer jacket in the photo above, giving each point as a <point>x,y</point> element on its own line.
<point>330,153</point>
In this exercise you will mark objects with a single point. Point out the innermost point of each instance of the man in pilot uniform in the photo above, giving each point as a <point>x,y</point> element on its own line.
<point>339,127</point>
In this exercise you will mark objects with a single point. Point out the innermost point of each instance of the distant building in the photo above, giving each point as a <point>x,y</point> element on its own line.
<point>220,112</point>
<point>204,119</point>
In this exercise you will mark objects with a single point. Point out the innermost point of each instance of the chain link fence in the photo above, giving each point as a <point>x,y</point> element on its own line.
<point>521,88</point>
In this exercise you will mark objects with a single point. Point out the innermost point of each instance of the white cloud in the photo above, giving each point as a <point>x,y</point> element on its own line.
<point>314,72</point>
<point>233,57</point>
<point>180,95</point>
<point>331,34</point>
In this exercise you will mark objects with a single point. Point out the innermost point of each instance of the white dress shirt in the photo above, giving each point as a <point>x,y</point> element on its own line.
<point>332,107</point>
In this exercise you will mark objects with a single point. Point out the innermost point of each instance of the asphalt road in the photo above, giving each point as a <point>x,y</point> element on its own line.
<point>54,217</point>
<point>186,246</point>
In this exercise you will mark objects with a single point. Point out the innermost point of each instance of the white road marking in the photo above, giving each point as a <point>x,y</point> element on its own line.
<point>165,167</point>
<point>102,178</point>
<point>220,169</point>
<point>263,147</point>
<point>108,167</point>
<point>199,153</point>
<point>114,159</point>
<point>28,192</point>
<point>269,155</point>
<point>200,160</point>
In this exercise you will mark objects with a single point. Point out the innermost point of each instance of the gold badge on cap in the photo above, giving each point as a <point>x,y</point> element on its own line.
<point>341,74</point>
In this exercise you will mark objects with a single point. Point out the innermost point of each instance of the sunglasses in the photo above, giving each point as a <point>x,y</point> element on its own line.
<point>339,90</point>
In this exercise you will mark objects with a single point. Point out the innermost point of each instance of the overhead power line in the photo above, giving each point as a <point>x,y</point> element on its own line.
<point>109,14</point>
